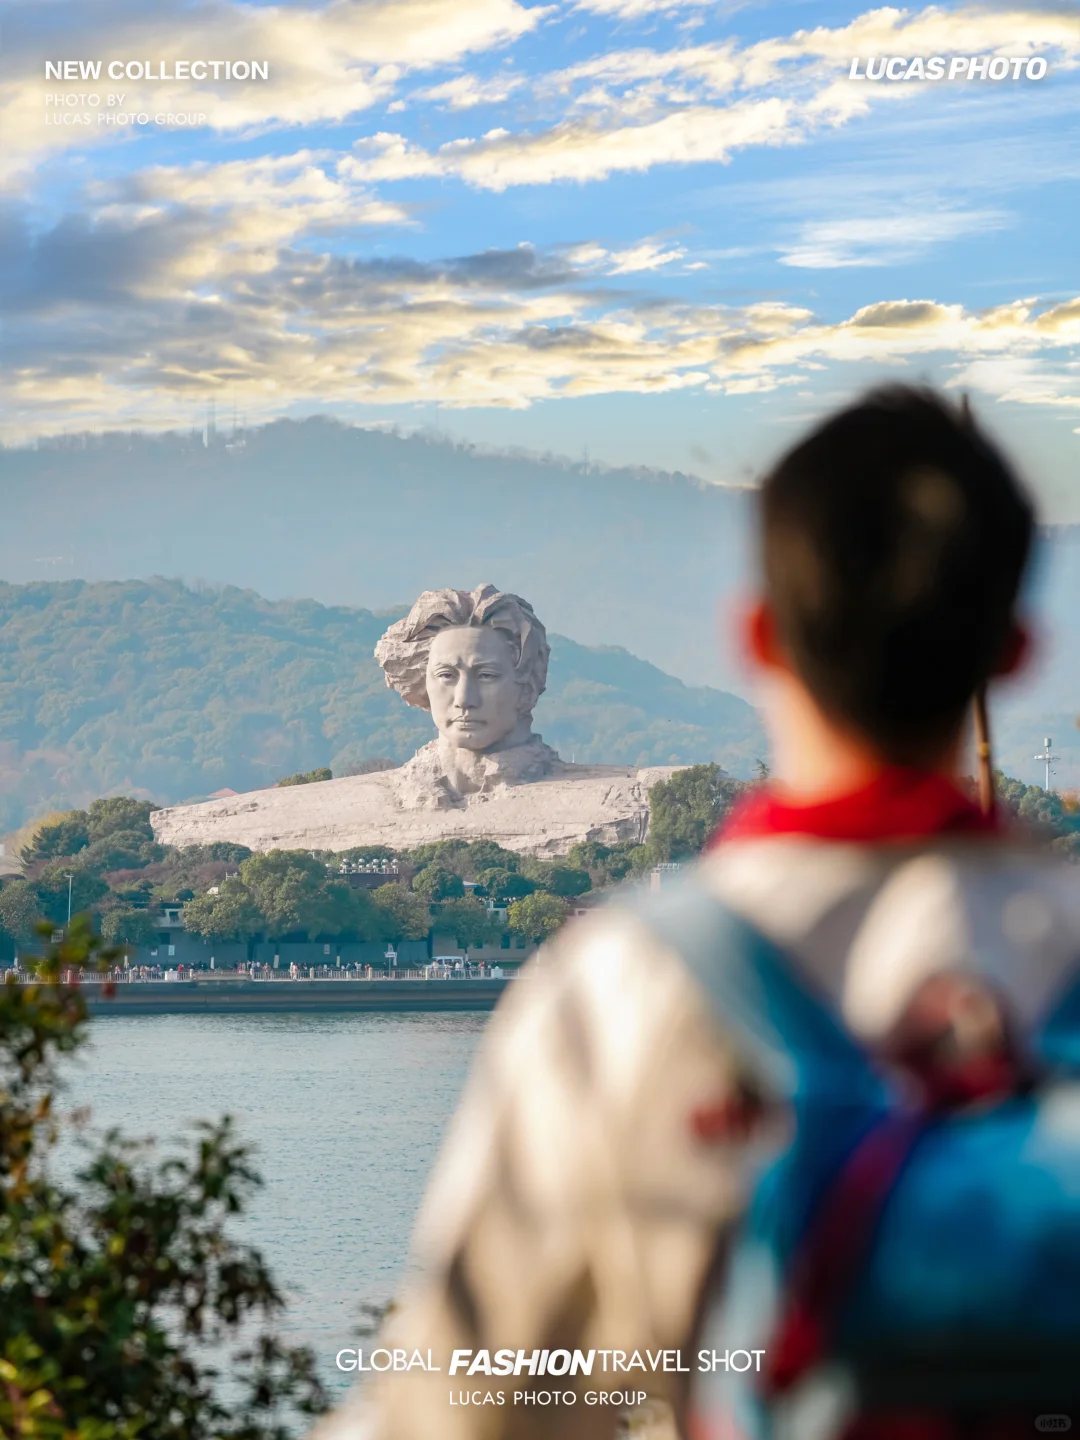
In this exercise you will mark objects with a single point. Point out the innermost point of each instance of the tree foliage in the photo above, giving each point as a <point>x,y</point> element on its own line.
<point>607,864</point>
<point>307,777</point>
<point>469,921</point>
<point>1046,815</point>
<point>125,1287</point>
<point>466,858</point>
<point>296,895</point>
<point>126,926</point>
<point>117,820</point>
<point>559,879</point>
<point>405,916</point>
<point>231,914</point>
<point>500,884</point>
<point>19,910</point>
<point>65,836</point>
<point>436,882</point>
<point>685,810</point>
<point>537,916</point>
<point>53,889</point>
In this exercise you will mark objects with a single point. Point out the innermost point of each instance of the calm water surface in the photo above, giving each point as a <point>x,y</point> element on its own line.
<point>346,1113</point>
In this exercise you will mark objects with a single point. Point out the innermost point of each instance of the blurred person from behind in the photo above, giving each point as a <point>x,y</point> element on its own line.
<point>811,1103</point>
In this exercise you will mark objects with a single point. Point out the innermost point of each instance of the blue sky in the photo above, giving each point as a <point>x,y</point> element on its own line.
<point>664,231</point>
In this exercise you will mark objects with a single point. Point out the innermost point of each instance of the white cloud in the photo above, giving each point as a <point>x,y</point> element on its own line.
<point>634,109</point>
<point>327,61</point>
<point>643,9</point>
<point>868,240</point>
<point>582,151</point>
<point>175,285</point>
<point>466,91</point>
<point>648,255</point>
<point>628,110</point>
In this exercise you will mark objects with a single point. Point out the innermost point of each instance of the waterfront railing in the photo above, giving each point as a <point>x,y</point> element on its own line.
<point>307,973</point>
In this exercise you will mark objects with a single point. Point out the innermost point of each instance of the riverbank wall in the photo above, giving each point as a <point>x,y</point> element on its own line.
<point>216,997</point>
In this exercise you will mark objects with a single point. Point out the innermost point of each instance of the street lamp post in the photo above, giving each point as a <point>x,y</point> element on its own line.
<point>390,957</point>
<point>70,879</point>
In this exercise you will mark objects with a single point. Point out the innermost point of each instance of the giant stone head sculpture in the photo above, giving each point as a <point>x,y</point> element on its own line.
<point>477,660</point>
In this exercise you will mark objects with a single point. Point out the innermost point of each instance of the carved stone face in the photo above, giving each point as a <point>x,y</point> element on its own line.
<point>471,686</point>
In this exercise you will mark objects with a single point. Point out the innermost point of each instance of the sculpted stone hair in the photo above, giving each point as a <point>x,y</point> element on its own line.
<point>403,650</point>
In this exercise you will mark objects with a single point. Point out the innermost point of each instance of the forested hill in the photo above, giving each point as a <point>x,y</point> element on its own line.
<point>156,689</point>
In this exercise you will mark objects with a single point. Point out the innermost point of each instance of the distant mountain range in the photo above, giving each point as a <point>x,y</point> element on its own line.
<point>158,690</point>
<point>369,518</point>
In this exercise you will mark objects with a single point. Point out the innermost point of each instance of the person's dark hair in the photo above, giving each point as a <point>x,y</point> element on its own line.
<point>895,538</point>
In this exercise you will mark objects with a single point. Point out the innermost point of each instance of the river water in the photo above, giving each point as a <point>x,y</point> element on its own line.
<point>346,1113</point>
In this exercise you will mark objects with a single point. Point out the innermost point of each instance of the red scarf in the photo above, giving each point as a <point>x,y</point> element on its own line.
<point>898,804</point>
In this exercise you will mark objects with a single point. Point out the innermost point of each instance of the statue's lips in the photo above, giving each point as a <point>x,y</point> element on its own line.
<point>468,724</point>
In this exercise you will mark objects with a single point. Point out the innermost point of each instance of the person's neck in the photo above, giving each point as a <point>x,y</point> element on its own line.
<point>816,760</point>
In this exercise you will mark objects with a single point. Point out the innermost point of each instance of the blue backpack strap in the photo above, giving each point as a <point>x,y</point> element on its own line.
<point>789,1036</point>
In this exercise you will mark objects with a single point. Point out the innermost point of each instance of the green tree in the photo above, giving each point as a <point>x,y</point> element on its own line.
<point>588,855</point>
<point>685,810</point>
<point>120,813</point>
<point>51,888</point>
<point>361,854</point>
<point>227,850</point>
<point>231,914</point>
<point>65,836</point>
<point>501,884</point>
<point>353,912</point>
<point>119,850</point>
<point>1040,809</point>
<point>568,881</point>
<point>466,858</point>
<point>556,877</point>
<point>123,1285</point>
<point>435,883</point>
<point>469,921</point>
<point>625,858</point>
<point>404,916</point>
<point>294,893</point>
<point>537,916</point>
<point>20,910</point>
<point>307,777</point>
<point>606,864</point>
<point>126,926</point>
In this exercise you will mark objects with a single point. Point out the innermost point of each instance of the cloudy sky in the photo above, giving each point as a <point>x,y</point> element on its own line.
<point>664,231</point>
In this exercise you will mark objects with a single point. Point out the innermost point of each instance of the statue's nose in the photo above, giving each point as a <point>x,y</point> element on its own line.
<point>466,696</point>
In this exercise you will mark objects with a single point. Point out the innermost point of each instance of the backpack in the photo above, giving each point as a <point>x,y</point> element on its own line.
<point>900,1271</point>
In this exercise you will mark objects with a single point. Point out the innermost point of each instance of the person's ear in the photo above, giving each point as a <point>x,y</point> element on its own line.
<point>760,637</point>
<point>1017,651</point>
